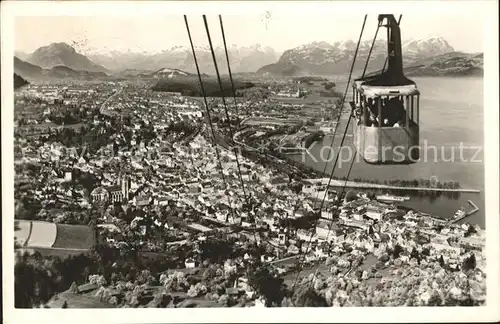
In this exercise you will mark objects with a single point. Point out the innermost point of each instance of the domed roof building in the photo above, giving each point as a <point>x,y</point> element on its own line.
<point>99,194</point>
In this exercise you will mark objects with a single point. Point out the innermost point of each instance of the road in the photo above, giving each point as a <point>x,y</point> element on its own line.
<point>103,109</point>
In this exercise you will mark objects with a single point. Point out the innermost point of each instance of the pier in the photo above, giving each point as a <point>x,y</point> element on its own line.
<point>474,210</point>
<point>364,185</point>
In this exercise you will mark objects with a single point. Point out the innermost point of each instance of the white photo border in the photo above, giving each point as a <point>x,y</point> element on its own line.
<point>490,312</point>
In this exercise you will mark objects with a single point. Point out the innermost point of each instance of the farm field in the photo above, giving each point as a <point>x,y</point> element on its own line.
<point>22,232</point>
<point>77,301</point>
<point>43,234</point>
<point>74,237</point>
<point>52,239</point>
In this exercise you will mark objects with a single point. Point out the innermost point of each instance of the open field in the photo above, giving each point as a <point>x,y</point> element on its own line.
<point>74,237</point>
<point>42,235</point>
<point>23,231</point>
<point>189,86</point>
<point>77,301</point>
<point>59,240</point>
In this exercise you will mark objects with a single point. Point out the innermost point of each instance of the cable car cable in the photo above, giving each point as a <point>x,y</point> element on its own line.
<point>341,144</point>
<point>235,106</point>
<point>224,103</point>
<point>353,159</point>
<point>342,103</point>
<point>370,52</point>
<point>214,139</point>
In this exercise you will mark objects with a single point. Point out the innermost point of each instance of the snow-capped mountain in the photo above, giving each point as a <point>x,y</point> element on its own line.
<point>336,58</point>
<point>427,47</point>
<point>242,59</point>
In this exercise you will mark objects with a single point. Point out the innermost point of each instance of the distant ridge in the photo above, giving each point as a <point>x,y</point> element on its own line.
<point>449,64</point>
<point>170,73</point>
<point>33,72</point>
<point>57,54</point>
<point>25,69</point>
<point>19,81</point>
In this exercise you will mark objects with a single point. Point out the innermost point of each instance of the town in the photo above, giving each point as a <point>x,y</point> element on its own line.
<point>126,198</point>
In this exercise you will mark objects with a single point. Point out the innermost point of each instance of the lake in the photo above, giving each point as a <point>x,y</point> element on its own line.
<point>451,113</point>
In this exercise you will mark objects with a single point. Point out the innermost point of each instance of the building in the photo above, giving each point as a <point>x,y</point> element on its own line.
<point>280,181</point>
<point>125,186</point>
<point>326,230</point>
<point>472,242</point>
<point>440,243</point>
<point>99,194</point>
<point>374,213</point>
<point>67,176</point>
<point>117,193</point>
<point>282,237</point>
<point>190,263</point>
<point>355,223</point>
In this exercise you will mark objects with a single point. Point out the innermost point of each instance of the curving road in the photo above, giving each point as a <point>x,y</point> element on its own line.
<point>103,109</point>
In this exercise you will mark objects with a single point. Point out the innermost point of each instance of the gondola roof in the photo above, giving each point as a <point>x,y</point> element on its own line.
<point>386,84</point>
<point>378,91</point>
<point>391,81</point>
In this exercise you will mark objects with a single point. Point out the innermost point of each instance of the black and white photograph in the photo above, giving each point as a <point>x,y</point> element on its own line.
<point>252,155</point>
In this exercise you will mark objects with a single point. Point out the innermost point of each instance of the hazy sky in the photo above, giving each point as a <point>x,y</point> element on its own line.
<point>463,31</point>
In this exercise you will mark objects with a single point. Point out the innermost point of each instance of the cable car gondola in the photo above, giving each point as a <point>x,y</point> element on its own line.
<point>386,106</point>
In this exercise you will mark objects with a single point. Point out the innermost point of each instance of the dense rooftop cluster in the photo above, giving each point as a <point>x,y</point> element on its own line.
<point>175,227</point>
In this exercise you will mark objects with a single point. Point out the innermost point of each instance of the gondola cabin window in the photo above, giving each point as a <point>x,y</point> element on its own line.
<point>392,109</point>
<point>387,117</point>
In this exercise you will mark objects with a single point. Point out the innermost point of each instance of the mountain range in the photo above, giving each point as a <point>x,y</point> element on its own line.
<point>242,59</point>
<point>322,58</point>
<point>30,71</point>
<point>430,56</point>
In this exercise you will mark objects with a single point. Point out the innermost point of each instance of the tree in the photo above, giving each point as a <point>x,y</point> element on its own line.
<point>329,85</point>
<point>435,299</point>
<point>65,305</point>
<point>145,277</point>
<point>397,251</point>
<point>197,290</point>
<point>306,296</point>
<point>469,263</point>
<point>32,284</point>
<point>470,230</point>
<point>216,250</point>
<point>74,288</point>
<point>351,195</point>
<point>161,300</point>
<point>441,261</point>
<point>415,254</point>
<point>267,284</point>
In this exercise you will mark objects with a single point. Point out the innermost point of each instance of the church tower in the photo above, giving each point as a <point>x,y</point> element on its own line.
<point>125,184</point>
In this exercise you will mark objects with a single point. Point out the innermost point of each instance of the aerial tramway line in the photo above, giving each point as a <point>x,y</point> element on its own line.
<point>215,136</point>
